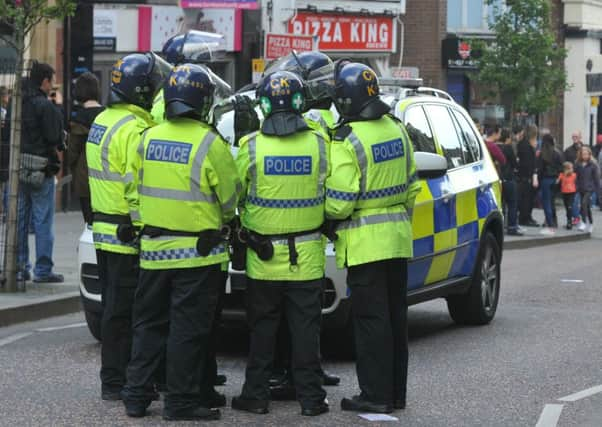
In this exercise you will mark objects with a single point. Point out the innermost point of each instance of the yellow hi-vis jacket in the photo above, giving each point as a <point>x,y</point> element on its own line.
<point>320,121</point>
<point>373,186</point>
<point>158,110</point>
<point>186,181</point>
<point>113,138</point>
<point>283,192</point>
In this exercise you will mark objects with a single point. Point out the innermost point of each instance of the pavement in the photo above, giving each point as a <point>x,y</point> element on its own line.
<point>41,301</point>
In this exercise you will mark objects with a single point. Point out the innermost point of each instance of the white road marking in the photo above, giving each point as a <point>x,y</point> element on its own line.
<point>582,394</point>
<point>58,328</point>
<point>571,281</point>
<point>549,416</point>
<point>13,338</point>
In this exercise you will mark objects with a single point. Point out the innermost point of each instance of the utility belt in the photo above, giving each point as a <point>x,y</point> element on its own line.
<point>126,231</point>
<point>207,240</point>
<point>263,244</point>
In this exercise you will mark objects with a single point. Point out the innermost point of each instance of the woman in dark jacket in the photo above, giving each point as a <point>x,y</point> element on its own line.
<point>588,181</point>
<point>549,165</point>
<point>87,94</point>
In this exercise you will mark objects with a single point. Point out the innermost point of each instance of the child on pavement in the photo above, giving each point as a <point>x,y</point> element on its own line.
<point>567,180</point>
<point>588,181</point>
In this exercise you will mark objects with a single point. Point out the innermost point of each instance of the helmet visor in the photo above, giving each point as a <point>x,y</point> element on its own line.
<point>222,89</point>
<point>200,46</point>
<point>286,63</point>
<point>159,71</point>
<point>320,83</point>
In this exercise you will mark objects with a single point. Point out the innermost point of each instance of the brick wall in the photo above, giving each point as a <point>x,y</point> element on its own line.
<point>425,26</point>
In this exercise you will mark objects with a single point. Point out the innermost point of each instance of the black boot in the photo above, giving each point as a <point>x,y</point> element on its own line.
<point>330,380</point>
<point>360,404</point>
<point>198,413</point>
<point>255,406</point>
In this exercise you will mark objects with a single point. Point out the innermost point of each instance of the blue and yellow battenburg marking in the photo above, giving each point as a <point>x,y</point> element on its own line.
<point>447,225</point>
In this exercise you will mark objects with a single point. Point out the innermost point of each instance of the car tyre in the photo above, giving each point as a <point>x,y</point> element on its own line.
<point>479,304</point>
<point>93,320</point>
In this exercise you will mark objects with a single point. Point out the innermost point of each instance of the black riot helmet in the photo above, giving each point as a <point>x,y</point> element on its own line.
<point>194,47</point>
<point>357,94</point>
<point>281,91</point>
<point>316,70</point>
<point>137,78</point>
<point>189,91</point>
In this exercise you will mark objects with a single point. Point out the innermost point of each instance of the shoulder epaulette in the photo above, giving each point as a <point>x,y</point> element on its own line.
<point>342,132</point>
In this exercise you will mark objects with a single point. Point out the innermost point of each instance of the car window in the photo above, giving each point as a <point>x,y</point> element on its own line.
<point>445,130</point>
<point>419,130</point>
<point>470,141</point>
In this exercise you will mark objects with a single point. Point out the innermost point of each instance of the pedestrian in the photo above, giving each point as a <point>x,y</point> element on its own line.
<point>87,95</point>
<point>114,136</point>
<point>371,190</point>
<point>527,176</point>
<point>314,68</point>
<point>549,165</point>
<point>588,181</point>
<point>282,169</point>
<point>42,136</point>
<point>186,193</point>
<point>570,154</point>
<point>508,176</point>
<point>567,180</point>
<point>4,148</point>
<point>493,136</point>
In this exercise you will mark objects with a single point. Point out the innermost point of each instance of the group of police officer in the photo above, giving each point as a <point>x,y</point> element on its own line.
<point>165,193</point>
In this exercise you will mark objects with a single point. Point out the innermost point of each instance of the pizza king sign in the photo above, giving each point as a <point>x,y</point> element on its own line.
<point>347,32</point>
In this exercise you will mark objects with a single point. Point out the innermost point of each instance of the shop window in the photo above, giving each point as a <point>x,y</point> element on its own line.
<point>470,141</point>
<point>445,131</point>
<point>419,130</point>
<point>471,15</point>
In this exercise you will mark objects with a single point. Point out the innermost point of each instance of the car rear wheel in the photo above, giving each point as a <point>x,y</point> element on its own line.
<point>93,320</point>
<point>479,304</point>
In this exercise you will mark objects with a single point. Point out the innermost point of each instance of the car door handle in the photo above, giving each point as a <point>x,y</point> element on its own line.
<point>446,195</point>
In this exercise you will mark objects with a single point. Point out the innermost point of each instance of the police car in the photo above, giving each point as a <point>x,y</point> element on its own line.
<point>457,220</point>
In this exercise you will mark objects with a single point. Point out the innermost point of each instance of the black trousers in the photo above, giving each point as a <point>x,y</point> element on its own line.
<point>526,200</point>
<point>211,360</point>
<point>301,301</point>
<point>173,310</point>
<point>379,310</point>
<point>569,200</point>
<point>118,275</point>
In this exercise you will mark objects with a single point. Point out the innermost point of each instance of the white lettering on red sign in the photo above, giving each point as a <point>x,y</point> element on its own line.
<point>347,33</point>
<point>278,45</point>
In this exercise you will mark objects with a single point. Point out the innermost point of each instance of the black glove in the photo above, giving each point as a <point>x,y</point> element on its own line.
<point>329,229</point>
<point>245,117</point>
<point>126,233</point>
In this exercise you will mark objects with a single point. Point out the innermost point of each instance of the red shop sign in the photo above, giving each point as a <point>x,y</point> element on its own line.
<point>347,32</point>
<point>278,45</point>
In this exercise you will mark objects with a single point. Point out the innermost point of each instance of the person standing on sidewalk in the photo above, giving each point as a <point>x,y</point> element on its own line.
<point>114,136</point>
<point>588,181</point>
<point>508,176</point>
<point>570,155</point>
<point>549,165</point>
<point>42,135</point>
<point>371,191</point>
<point>568,187</point>
<point>527,176</point>
<point>87,94</point>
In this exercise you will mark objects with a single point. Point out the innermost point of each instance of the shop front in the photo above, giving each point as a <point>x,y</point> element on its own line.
<point>460,64</point>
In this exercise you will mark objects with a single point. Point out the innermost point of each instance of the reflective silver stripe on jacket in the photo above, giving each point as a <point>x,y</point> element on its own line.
<point>195,194</point>
<point>106,174</point>
<point>300,239</point>
<point>360,153</point>
<point>322,166</point>
<point>374,219</point>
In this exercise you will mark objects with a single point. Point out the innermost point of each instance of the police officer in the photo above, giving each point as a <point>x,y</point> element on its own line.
<point>192,47</point>
<point>282,169</point>
<point>371,189</point>
<point>187,190</point>
<point>316,70</point>
<point>135,79</point>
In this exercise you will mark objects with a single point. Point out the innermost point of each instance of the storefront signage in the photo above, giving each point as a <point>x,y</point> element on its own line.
<point>227,22</point>
<point>458,53</point>
<point>236,4</point>
<point>347,32</point>
<point>105,44</point>
<point>594,82</point>
<point>278,45</point>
